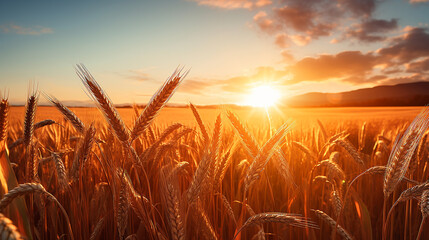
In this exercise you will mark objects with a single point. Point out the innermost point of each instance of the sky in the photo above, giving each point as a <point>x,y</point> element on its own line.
<point>230,47</point>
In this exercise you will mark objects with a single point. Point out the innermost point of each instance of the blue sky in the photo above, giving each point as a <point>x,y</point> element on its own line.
<point>131,47</point>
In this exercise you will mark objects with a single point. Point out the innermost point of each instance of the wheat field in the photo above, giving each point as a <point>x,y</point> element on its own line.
<point>195,173</point>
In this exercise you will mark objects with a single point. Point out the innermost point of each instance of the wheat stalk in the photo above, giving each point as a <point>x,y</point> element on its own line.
<point>424,208</point>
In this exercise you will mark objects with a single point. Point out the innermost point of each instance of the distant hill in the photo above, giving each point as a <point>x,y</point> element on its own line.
<point>407,94</point>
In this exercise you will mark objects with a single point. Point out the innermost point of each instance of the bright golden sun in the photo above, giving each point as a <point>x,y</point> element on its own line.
<point>263,96</point>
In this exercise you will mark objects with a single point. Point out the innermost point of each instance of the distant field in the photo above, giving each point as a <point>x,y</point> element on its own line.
<point>184,115</point>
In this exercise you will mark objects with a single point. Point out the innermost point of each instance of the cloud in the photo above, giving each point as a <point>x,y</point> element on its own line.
<point>306,20</point>
<point>287,56</point>
<point>136,75</point>
<point>282,40</point>
<point>369,30</point>
<point>418,1</point>
<point>410,46</point>
<point>309,20</point>
<point>418,66</point>
<point>234,4</point>
<point>344,66</point>
<point>16,29</point>
<point>197,86</point>
<point>265,24</point>
<point>359,7</point>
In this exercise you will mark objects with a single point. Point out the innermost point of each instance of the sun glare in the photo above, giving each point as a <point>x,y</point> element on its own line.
<point>263,96</point>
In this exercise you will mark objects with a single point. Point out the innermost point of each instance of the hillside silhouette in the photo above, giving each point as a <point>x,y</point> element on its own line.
<point>407,94</point>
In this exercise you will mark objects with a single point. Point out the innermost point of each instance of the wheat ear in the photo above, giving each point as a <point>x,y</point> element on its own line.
<point>37,125</point>
<point>333,170</point>
<point>150,152</point>
<point>8,231</point>
<point>61,171</point>
<point>122,209</point>
<point>290,219</point>
<point>4,110</point>
<point>351,150</point>
<point>27,188</point>
<point>170,195</point>
<point>214,152</point>
<point>104,104</point>
<point>97,229</point>
<point>331,222</point>
<point>204,173</point>
<point>200,122</point>
<point>134,198</point>
<point>30,114</point>
<point>83,151</point>
<point>264,156</point>
<point>156,103</point>
<point>304,149</point>
<point>403,151</point>
<point>67,113</point>
<point>410,193</point>
<point>246,137</point>
<point>207,230</point>
<point>32,162</point>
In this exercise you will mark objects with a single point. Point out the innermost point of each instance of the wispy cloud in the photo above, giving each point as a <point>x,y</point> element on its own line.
<point>16,29</point>
<point>234,4</point>
<point>137,75</point>
<point>418,1</point>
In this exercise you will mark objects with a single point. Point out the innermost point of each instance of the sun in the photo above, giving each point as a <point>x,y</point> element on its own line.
<point>263,96</point>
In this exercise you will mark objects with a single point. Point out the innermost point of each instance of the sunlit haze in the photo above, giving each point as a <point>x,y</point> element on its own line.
<point>263,96</point>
